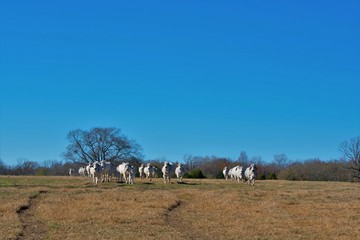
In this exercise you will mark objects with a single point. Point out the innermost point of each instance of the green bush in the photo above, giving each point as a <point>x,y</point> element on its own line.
<point>41,172</point>
<point>219,175</point>
<point>196,173</point>
<point>273,176</point>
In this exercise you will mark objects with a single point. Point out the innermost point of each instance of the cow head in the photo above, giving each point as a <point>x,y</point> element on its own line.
<point>130,168</point>
<point>253,167</point>
<point>166,166</point>
<point>96,165</point>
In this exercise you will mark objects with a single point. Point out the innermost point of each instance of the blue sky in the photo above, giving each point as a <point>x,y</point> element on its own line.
<point>181,77</point>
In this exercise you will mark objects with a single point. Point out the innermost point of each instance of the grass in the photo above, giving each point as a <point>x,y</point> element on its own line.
<point>71,208</point>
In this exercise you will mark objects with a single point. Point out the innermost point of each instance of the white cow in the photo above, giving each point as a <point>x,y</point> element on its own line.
<point>232,173</point>
<point>87,168</point>
<point>107,170</point>
<point>141,171</point>
<point>155,172</point>
<point>179,171</point>
<point>131,174</point>
<point>95,172</point>
<point>239,174</point>
<point>166,170</point>
<point>226,172</point>
<point>148,171</point>
<point>123,170</point>
<point>82,171</point>
<point>71,171</point>
<point>251,174</point>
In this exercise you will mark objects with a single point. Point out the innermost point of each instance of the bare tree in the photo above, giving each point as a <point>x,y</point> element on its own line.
<point>25,167</point>
<point>3,168</point>
<point>281,160</point>
<point>100,144</point>
<point>191,161</point>
<point>214,166</point>
<point>243,159</point>
<point>351,151</point>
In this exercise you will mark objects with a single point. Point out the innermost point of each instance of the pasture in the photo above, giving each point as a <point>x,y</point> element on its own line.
<point>72,208</point>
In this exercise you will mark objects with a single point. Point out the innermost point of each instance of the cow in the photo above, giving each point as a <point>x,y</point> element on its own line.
<point>232,173</point>
<point>155,172</point>
<point>106,170</point>
<point>148,171</point>
<point>166,170</point>
<point>225,173</point>
<point>251,174</point>
<point>141,171</point>
<point>239,174</point>
<point>82,171</point>
<point>179,171</point>
<point>130,174</point>
<point>123,170</point>
<point>87,168</point>
<point>71,171</point>
<point>95,172</point>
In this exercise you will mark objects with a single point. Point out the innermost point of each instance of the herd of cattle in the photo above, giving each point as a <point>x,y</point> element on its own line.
<point>104,171</point>
<point>238,174</point>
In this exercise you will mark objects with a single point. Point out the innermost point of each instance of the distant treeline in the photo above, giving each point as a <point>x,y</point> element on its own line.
<point>280,168</point>
<point>210,167</point>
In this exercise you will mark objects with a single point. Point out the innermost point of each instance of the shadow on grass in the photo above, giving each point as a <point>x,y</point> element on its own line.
<point>148,183</point>
<point>187,183</point>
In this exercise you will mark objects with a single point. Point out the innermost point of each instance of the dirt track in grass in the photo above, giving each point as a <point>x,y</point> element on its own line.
<point>32,227</point>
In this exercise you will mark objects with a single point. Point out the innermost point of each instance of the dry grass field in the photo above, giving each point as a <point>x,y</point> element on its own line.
<point>71,208</point>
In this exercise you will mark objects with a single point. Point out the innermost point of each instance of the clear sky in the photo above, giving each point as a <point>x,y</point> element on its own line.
<point>181,77</point>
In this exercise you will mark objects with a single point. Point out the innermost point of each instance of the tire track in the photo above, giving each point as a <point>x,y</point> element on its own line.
<point>174,218</point>
<point>32,228</point>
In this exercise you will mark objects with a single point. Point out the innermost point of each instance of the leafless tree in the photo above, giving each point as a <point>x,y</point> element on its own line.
<point>243,159</point>
<point>100,144</point>
<point>3,168</point>
<point>25,167</point>
<point>281,160</point>
<point>351,151</point>
<point>192,162</point>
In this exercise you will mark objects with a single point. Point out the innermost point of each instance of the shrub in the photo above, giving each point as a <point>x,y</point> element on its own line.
<point>219,175</point>
<point>273,176</point>
<point>41,172</point>
<point>196,173</point>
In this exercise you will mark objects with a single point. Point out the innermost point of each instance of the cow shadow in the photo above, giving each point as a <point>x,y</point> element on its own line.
<point>148,183</point>
<point>121,182</point>
<point>187,183</point>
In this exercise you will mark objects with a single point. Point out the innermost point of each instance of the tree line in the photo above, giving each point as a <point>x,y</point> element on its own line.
<point>310,169</point>
<point>207,167</point>
<point>110,144</point>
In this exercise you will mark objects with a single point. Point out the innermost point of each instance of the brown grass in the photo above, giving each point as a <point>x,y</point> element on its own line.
<point>202,209</point>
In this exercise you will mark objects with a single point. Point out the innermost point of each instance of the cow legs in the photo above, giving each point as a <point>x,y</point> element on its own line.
<point>166,178</point>
<point>95,180</point>
<point>126,180</point>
